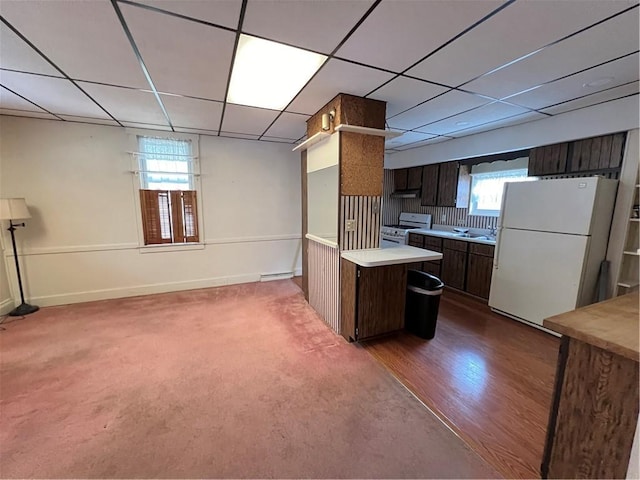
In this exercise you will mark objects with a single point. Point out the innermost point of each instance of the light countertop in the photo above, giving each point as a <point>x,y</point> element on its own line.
<point>378,257</point>
<point>611,325</point>
<point>451,235</point>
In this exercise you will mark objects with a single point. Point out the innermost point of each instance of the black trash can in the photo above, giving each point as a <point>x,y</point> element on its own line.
<point>422,303</point>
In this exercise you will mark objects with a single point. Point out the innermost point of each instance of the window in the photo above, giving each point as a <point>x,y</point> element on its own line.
<point>487,188</point>
<point>168,199</point>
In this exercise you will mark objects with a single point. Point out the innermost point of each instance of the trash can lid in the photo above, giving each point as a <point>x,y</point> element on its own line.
<point>424,280</point>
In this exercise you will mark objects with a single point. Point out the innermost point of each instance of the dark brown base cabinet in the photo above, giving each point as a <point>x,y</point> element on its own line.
<point>364,312</point>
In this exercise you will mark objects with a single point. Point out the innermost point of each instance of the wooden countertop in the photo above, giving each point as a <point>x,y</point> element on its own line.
<point>611,325</point>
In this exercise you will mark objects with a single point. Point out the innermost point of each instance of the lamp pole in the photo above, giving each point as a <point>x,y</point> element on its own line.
<point>24,308</point>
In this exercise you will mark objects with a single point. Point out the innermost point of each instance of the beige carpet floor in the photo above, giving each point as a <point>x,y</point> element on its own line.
<point>242,381</point>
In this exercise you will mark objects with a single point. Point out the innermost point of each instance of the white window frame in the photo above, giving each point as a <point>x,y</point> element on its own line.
<point>518,175</point>
<point>136,183</point>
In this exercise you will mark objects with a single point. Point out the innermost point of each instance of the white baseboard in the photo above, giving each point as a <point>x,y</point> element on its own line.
<point>6,306</point>
<point>297,272</point>
<point>106,294</point>
<point>269,277</point>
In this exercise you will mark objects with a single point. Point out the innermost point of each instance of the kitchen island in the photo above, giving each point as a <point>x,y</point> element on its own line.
<point>373,289</point>
<point>594,412</point>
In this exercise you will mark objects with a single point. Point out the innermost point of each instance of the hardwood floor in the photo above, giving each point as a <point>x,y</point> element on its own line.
<point>488,377</point>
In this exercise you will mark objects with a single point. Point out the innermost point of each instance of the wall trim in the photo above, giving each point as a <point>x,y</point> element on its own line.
<point>263,238</point>
<point>6,306</point>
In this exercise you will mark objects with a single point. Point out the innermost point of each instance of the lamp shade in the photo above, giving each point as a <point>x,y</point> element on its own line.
<point>13,209</point>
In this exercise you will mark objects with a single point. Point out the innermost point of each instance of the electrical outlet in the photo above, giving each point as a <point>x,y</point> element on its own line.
<point>350,226</point>
<point>444,217</point>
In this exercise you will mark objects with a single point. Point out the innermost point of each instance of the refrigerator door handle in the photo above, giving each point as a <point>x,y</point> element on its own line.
<point>496,252</point>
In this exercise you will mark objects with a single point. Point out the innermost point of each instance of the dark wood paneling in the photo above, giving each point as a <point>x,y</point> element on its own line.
<point>548,160</point>
<point>605,151</point>
<point>348,299</point>
<point>617,147</point>
<point>433,243</point>
<point>305,242</point>
<point>379,314</point>
<point>479,270</point>
<point>488,377</point>
<point>460,245</point>
<point>594,156</point>
<point>429,193</point>
<point>400,179</point>
<point>481,249</point>
<point>597,414</point>
<point>414,178</point>
<point>447,184</point>
<point>453,269</point>
<point>416,240</point>
<point>361,164</point>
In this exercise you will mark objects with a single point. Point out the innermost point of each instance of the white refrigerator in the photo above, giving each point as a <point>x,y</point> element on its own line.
<point>552,238</point>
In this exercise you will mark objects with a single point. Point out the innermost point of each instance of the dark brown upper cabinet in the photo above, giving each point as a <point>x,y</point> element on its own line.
<point>429,196</point>
<point>548,160</point>
<point>596,153</point>
<point>448,184</point>
<point>400,178</point>
<point>414,178</point>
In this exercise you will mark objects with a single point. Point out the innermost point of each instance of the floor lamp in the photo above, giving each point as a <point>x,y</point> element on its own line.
<point>16,209</point>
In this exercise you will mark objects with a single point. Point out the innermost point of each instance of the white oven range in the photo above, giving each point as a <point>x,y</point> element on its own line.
<point>395,235</point>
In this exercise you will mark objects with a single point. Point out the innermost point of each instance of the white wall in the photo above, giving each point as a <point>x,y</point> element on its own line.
<point>83,242</point>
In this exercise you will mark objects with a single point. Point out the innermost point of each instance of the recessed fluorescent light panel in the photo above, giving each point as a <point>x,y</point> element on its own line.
<point>269,74</point>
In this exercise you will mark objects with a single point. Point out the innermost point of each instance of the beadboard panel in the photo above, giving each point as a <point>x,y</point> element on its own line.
<point>365,210</point>
<point>324,282</point>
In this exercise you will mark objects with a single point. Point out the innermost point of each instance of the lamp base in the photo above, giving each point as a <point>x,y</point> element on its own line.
<point>23,309</point>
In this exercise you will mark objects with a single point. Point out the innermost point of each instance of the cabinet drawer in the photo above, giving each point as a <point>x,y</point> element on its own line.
<point>459,245</point>
<point>416,240</point>
<point>480,249</point>
<point>432,267</point>
<point>433,243</point>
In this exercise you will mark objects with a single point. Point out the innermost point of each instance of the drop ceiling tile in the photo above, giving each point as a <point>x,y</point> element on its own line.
<point>16,54</point>
<point>243,136</point>
<point>85,39</point>
<point>55,94</point>
<point>95,121</point>
<point>406,138</point>
<point>487,113</point>
<point>14,102</point>
<point>336,77</point>
<point>620,72</point>
<point>505,122</point>
<point>197,131</point>
<point>127,105</point>
<point>484,48</point>
<point>289,125</point>
<point>220,12</point>
<point>422,143</point>
<point>147,126</point>
<point>402,93</point>
<point>278,139</point>
<point>193,113</point>
<point>595,98</point>
<point>318,26</point>
<point>249,120</point>
<point>451,103</point>
<point>27,113</point>
<point>599,44</point>
<point>419,27</point>
<point>193,60</point>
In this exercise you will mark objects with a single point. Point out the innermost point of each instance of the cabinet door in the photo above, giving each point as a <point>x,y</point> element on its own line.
<point>548,160</point>
<point>433,243</point>
<point>432,267</point>
<point>400,179</point>
<point>479,268</point>
<point>448,184</point>
<point>378,314</point>
<point>454,265</point>
<point>416,240</point>
<point>414,178</point>
<point>429,195</point>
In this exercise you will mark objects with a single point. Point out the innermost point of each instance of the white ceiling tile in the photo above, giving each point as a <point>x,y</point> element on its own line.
<point>593,99</point>
<point>220,12</point>
<point>14,102</point>
<point>27,113</point>
<point>55,94</point>
<point>147,126</point>
<point>422,143</point>
<point>197,131</point>
<point>15,54</point>
<point>621,71</point>
<point>85,39</point>
<point>193,113</point>
<point>484,48</point>
<point>506,122</point>
<point>194,59</point>
<point>250,120</point>
<point>95,121</point>
<point>244,136</point>
<point>278,139</point>
<point>487,113</point>
<point>314,25</point>
<point>337,77</point>
<point>406,138</point>
<point>289,125</point>
<point>127,105</point>
<point>403,93</point>
<point>418,27</point>
<point>450,103</point>
<point>601,43</point>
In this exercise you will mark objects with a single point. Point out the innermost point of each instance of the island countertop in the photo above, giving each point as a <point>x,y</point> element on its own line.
<point>611,325</point>
<point>378,257</point>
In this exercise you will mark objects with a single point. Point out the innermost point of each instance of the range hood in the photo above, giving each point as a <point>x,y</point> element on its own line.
<point>409,193</point>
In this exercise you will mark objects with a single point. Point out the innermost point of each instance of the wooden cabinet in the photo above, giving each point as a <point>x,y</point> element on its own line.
<point>364,312</point>
<point>416,240</point>
<point>598,153</point>
<point>434,267</point>
<point>454,263</point>
<point>429,193</point>
<point>400,179</point>
<point>548,160</point>
<point>414,178</point>
<point>447,184</point>
<point>479,269</point>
